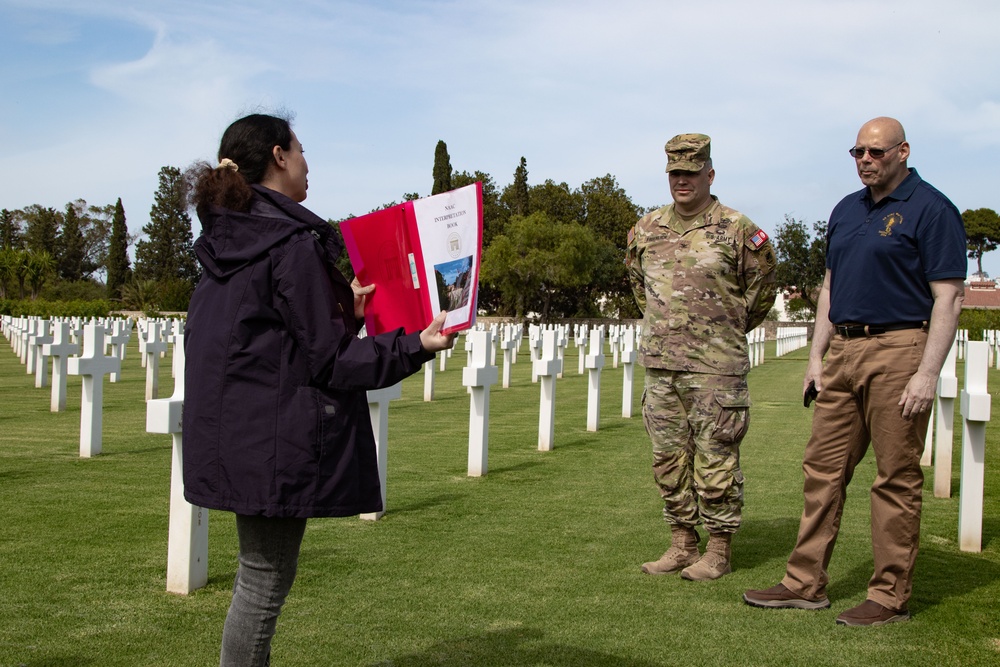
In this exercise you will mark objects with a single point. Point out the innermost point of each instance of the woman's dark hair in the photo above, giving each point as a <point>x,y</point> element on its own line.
<point>248,143</point>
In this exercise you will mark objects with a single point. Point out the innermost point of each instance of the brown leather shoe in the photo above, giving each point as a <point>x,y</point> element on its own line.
<point>872,613</point>
<point>779,597</point>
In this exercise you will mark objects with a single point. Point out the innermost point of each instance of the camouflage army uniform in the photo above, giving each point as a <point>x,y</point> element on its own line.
<point>702,284</point>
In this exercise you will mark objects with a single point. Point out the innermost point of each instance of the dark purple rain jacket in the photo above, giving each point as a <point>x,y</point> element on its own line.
<point>276,419</point>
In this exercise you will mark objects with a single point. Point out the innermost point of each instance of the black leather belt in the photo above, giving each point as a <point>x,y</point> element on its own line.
<point>859,330</point>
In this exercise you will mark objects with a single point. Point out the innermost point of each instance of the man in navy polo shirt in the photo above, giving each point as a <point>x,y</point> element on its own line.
<point>885,320</point>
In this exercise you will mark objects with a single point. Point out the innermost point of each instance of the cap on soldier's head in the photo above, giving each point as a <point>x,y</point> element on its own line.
<point>688,152</point>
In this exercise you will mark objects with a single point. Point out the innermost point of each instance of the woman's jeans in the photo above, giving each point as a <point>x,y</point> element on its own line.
<point>269,556</point>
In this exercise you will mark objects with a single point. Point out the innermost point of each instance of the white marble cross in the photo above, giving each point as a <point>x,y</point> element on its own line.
<point>93,366</point>
<point>42,338</point>
<point>494,338</point>
<point>187,537</point>
<point>429,380</point>
<point>154,346</point>
<point>944,424</point>
<point>27,349</point>
<point>546,368</point>
<point>581,348</point>
<point>509,346</point>
<point>562,340</point>
<point>615,339</point>
<point>121,331</point>
<point>975,409</point>
<point>534,348</point>
<point>628,363</point>
<point>378,411</point>
<point>594,363</point>
<point>60,350</point>
<point>478,376</point>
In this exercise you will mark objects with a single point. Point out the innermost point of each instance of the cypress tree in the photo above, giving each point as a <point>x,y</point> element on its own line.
<point>119,265</point>
<point>521,188</point>
<point>69,262</point>
<point>442,169</point>
<point>167,252</point>
<point>10,229</point>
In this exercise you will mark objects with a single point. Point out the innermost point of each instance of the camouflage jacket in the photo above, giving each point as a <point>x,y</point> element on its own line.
<point>700,288</point>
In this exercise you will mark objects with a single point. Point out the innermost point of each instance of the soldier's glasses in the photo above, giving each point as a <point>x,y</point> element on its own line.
<point>876,153</point>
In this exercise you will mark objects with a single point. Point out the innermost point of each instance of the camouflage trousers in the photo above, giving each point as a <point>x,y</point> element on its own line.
<point>696,422</point>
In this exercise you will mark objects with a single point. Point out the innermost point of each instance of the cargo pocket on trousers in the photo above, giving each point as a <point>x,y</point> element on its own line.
<point>733,417</point>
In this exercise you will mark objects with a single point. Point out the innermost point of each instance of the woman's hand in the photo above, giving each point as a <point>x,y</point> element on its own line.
<point>359,297</point>
<point>431,338</point>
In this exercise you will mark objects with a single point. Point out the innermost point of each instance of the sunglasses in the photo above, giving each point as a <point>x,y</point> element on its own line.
<point>876,153</point>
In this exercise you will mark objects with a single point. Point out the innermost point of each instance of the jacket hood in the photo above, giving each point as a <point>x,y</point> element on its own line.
<point>230,239</point>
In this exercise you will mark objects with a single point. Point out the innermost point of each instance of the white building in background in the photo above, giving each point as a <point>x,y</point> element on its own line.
<point>779,305</point>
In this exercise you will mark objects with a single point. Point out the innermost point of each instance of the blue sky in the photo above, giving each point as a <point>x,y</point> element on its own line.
<point>98,95</point>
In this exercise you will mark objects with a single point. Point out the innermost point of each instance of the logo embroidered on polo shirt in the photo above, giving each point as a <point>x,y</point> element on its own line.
<point>891,221</point>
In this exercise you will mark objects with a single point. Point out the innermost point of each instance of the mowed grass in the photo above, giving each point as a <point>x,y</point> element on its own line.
<point>534,564</point>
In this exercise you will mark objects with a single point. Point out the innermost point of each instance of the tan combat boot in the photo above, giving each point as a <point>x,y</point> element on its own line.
<point>715,562</point>
<point>683,551</point>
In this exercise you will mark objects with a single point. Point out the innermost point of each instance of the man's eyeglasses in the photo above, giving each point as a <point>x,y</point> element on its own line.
<point>876,153</point>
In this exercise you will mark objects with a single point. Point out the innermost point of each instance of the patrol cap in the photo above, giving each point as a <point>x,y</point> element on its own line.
<point>688,152</point>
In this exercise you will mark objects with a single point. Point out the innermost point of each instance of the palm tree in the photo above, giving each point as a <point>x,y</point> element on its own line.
<point>139,294</point>
<point>40,265</point>
<point>13,271</point>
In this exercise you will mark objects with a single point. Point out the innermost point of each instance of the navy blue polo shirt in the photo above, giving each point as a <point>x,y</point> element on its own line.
<point>882,256</point>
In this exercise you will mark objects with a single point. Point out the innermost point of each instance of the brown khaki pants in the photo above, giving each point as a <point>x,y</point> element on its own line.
<point>863,379</point>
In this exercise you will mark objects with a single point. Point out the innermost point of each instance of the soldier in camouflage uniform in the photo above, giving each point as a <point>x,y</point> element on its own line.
<point>703,275</point>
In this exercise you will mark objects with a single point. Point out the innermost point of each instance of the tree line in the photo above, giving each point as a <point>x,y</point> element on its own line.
<point>81,253</point>
<point>549,250</point>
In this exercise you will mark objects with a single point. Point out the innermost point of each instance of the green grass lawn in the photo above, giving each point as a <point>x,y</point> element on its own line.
<point>536,563</point>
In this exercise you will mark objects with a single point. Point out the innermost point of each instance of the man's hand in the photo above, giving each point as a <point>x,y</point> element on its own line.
<point>918,396</point>
<point>814,372</point>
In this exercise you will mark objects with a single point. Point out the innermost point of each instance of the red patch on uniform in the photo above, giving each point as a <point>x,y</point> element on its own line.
<point>759,239</point>
<point>631,234</point>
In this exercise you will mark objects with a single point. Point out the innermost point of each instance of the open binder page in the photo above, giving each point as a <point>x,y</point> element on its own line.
<point>449,226</point>
<point>423,257</point>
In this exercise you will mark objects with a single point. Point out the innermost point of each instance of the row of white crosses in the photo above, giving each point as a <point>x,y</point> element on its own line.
<point>37,341</point>
<point>187,559</point>
<point>789,339</point>
<point>755,346</point>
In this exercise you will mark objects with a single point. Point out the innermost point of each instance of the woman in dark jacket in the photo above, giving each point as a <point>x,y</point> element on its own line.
<point>276,422</point>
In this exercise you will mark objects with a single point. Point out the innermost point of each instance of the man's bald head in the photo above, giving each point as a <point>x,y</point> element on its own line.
<point>887,128</point>
<point>882,174</point>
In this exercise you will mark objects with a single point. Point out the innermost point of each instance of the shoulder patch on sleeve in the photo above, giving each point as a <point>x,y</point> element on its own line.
<point>631,234</point>
<point>759,239</point>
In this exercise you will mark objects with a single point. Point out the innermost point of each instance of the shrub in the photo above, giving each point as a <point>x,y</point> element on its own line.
<point>977,319</point>
<point>49,309</point>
